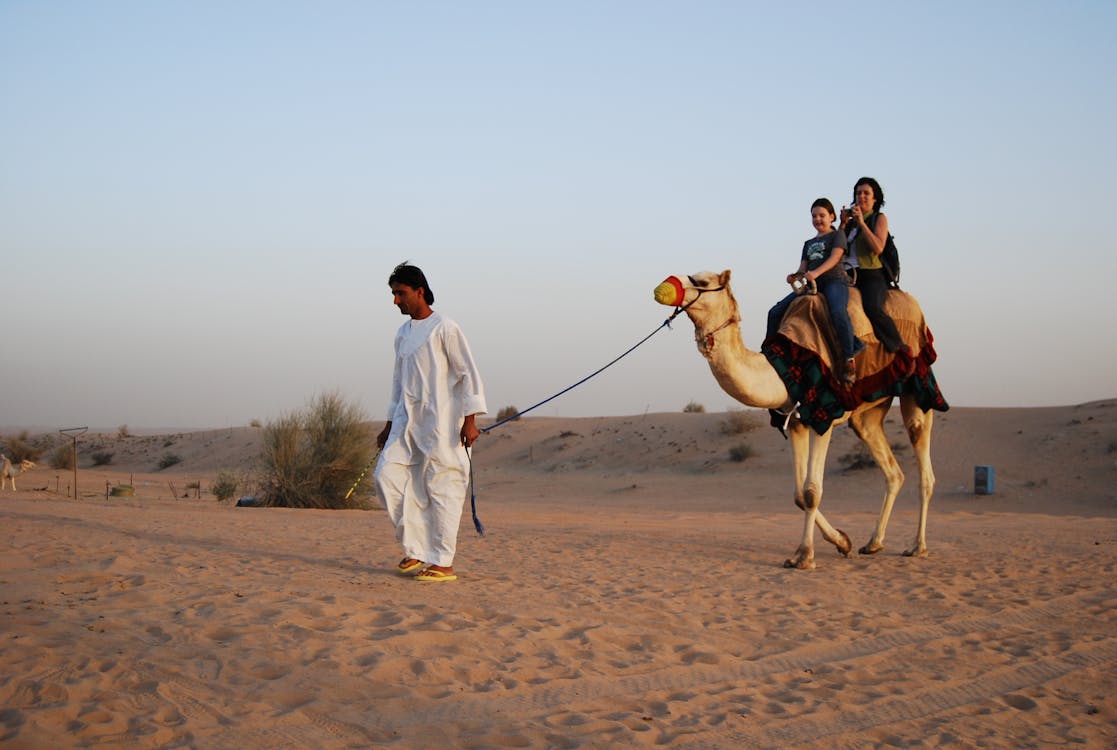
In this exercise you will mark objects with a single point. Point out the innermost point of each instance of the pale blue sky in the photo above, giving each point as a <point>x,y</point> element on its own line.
<point>200,202</point>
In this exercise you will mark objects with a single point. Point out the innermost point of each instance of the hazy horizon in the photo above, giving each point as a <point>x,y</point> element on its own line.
<point>203,201</point>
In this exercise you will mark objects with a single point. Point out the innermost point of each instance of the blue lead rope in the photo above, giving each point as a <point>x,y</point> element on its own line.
<point>473,497</point>
<point>472,492</point>
<point>517,415</point>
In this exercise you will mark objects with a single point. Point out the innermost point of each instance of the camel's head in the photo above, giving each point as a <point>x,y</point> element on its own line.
<point>689,293</point>
<point>25,464</point>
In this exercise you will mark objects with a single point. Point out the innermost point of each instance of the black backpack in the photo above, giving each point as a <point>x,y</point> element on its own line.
<point>890,258</point>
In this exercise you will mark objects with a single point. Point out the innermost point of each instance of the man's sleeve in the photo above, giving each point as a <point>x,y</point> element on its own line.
<point>463,371</point>
<point>397,387</point>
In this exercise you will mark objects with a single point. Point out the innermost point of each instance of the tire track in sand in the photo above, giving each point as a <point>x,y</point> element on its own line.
<point>536,702</point>
<point>804,730</point>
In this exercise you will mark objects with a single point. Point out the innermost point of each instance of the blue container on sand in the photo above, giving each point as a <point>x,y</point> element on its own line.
<point>983,480</point>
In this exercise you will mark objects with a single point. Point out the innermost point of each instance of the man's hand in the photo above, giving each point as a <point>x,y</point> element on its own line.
<point>383,436</point>
<point>469,430</point>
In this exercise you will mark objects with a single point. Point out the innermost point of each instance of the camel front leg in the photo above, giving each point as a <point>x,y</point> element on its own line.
<point>800,454</point>
<point>809,454</point>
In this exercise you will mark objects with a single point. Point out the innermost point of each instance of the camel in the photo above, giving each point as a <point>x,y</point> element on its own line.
<point>9,472</point>
<point>751,378</point>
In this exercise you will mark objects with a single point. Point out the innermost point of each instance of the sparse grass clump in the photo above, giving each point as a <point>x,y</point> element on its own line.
<point>224,486</point>
<point>506,412</point>
<point>21,448</point>
<point>101,458</point>
<point>738,423</point>
<point>693,407</point>
<point>858,459</point>
<point>312,457</point>
<point>62,457</point>
<point>741,452</point>
<point>168,460</point>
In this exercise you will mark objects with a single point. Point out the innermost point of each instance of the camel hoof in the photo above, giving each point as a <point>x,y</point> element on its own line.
<point>845,544</point>
<point>801,564</point>
<point>870,550</point>
<point>917,552</point>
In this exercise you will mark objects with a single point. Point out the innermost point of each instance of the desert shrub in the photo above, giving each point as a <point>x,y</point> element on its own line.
<point>62,457</point>
<point>168,460</point>
<point>738,423</point>
<point>740,452</point>
<point>21,448</point>
<point>101,458</point>
<point>694,407</point>
<point>255,423</point>
<point>858,459</point>
<point>123,432</point>
<point>312,457</point>
<point>506,412</point>
<point>224,486</point>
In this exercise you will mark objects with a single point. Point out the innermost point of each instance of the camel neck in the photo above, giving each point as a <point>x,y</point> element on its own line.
<point>742,373</point>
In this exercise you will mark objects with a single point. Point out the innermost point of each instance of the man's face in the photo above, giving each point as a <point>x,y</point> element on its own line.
<point>408,299</point>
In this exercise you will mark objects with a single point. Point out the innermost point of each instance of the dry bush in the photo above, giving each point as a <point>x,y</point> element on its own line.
<point>740,452</point>
<point>312,457</point>
<point>224,486</point>
<point>22,448</point>
<point>506,412</point>
<point>738,422</point>
<point>694,407</point>
<point>858,459</point>
<point>62,457</point>
<point>168,460</point>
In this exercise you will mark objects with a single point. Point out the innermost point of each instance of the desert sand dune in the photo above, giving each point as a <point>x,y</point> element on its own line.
<point>629,593</point>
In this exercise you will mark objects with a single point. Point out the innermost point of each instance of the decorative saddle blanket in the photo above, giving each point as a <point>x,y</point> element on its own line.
<point>803,352</point>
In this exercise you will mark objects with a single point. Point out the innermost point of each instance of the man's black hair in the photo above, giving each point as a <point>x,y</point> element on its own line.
<point>412,276</point>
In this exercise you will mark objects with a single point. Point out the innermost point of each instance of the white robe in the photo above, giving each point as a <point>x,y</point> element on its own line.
<point>422,472</point>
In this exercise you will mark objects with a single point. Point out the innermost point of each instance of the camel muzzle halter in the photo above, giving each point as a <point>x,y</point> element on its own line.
<point>705,341</point>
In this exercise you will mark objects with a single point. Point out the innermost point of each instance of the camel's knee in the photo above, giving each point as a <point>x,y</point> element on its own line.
<point>893,474</point>
<point>916,427</point>
<point>812,497</point>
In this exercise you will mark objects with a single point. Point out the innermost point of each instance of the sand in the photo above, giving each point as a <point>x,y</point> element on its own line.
<point>629,592</point>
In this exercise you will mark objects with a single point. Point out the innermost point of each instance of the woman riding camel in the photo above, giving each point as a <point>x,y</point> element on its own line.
<point>867,233</point>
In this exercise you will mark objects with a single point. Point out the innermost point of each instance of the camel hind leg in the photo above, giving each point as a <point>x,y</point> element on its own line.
<point>868,424</point>
<point>918,424</point>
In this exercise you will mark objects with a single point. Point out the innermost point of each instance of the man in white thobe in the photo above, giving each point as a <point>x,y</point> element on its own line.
<point>436,395</point>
